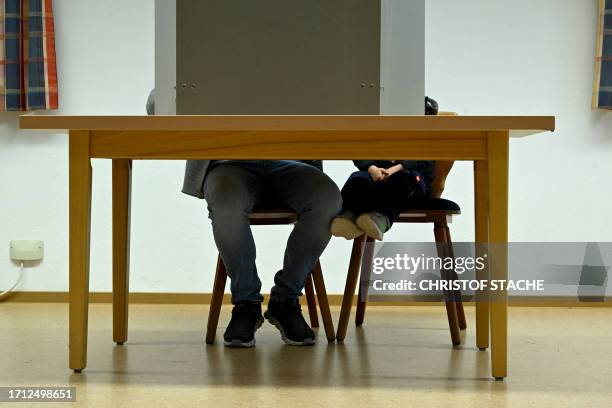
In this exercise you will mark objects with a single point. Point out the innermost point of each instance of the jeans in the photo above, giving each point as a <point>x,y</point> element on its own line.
<point>233,187</point>
<point>361,194</point>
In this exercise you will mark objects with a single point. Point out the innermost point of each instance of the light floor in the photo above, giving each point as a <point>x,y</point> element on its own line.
<point>401,357</point>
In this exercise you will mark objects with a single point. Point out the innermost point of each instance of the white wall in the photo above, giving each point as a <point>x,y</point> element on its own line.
<point>483,57</point>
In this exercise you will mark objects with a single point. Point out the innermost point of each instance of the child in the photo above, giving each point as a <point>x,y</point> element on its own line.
<point>374,196</point>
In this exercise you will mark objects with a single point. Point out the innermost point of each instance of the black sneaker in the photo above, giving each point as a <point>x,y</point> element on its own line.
<point>246,319</point>
<point>287,317</point>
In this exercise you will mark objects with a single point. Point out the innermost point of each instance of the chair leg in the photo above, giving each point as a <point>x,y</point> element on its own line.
<point>311,301</point>
<point>349,289</point>
<point>328,323</point>
<point>451,309</point>
<point>366,266</point>
<point>361,302</point>
<point>457,294</point>
<point>216,301</point>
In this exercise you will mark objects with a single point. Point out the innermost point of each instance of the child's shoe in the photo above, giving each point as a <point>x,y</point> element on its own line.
<point>374,224</point>
<point>344,226</point>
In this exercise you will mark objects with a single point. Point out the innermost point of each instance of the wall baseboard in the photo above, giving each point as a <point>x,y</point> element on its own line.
<point>334,300</point>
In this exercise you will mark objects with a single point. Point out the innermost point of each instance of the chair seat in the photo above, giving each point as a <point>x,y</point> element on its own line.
<point>435,204</point>
<point>272,214</point>
<point>283,214</point>
<point>430,210</point>
<point>272,208</point>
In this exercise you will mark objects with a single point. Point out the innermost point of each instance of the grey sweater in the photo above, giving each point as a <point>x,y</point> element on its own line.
<point>195,170</point>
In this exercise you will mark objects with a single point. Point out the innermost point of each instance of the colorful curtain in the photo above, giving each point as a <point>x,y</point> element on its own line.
<point>28,72</point>
<point>602,91</point>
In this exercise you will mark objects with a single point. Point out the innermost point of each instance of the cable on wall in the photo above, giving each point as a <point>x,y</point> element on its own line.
<point>8,292</point>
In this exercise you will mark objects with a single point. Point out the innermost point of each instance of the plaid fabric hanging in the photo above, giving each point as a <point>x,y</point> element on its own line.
<point>602,90</point>
<point>28,72</point>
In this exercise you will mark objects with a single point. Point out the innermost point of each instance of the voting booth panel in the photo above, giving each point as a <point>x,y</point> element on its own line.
<point>290,57</point>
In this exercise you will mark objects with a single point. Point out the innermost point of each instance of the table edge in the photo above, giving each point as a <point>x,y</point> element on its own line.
<point>382,123</point>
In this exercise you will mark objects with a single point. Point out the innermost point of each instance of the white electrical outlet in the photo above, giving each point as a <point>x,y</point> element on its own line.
<point>27,250</point>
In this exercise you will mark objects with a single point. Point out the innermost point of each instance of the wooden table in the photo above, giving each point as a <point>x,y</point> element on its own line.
<point>482,139</point>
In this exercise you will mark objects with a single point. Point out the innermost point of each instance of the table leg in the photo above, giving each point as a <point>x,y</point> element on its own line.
<point>79,237</point>
<point>498,250</point>
<point>122,185</point>
<point>481,207</point>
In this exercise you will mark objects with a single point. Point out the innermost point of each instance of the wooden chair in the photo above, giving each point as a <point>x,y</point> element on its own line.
<point>434,210</point>
<point>268,215</point>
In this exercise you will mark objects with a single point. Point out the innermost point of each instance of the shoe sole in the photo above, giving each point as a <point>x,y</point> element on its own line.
<point>275,323</point>
<point>345,228</point>
<point>368,225</point>
<point>237,343</point>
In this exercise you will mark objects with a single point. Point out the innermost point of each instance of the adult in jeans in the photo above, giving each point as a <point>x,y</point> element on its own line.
<point>232,188</point>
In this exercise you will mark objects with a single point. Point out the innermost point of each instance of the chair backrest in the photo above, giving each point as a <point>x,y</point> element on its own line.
<point>443,167</point>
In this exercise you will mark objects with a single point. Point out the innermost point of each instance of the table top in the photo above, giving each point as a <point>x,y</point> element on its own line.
<point>517,125</point>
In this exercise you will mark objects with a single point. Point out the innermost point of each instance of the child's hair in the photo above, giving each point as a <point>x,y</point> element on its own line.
<point>431,106</point>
